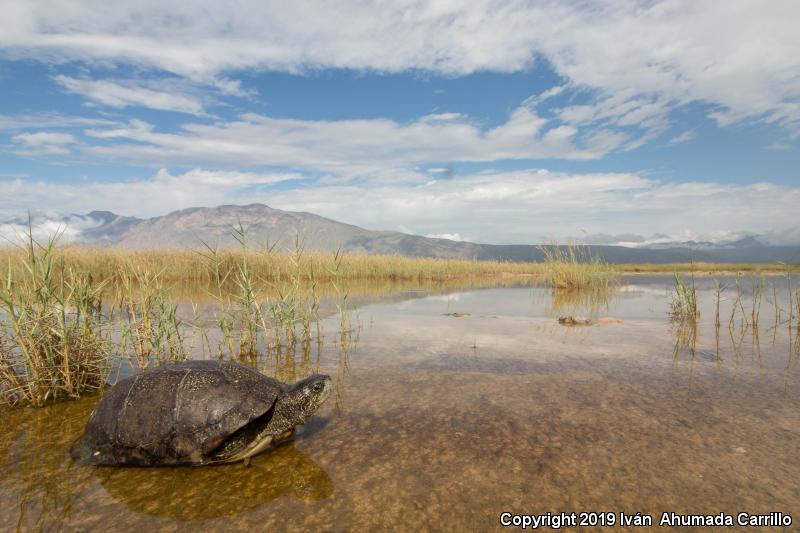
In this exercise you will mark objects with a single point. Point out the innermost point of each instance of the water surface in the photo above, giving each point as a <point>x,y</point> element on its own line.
<point>443,421</point>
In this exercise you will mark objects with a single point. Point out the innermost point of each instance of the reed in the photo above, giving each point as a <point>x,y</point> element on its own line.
<point>53,343</point>
<point>574,267</point>
<point>683,307</point>
<point>246,297</point>
<point>150,331</point>
<point>755,301</point>
<point>790,292</point>
<point>685,339</point>
<point>737,303</point>
<point>719,288</point>
<point>797,303</point>
<point>341,302</point>
<point>275,266</point>
<point>706,268</point>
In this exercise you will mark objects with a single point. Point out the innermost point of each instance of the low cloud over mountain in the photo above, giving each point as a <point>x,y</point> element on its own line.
<point>189,228</point>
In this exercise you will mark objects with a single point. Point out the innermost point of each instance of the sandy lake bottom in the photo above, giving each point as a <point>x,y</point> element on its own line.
<point>444,422</point>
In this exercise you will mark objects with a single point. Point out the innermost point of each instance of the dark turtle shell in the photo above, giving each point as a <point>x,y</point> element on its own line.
<point>175,414</point>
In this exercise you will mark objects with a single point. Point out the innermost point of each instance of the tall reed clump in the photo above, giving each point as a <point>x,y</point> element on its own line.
<point>241,319</point>
<point>150,331</point>
<point>683,307</point>
<point>251,316</point>
<point>574,267</point>
<point>53,343</point>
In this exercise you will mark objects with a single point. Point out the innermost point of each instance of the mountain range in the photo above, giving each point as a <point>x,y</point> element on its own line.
<point>266,226</point>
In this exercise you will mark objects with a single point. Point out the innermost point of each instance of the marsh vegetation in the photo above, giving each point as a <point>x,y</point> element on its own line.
<point>65,331</point>
<point>73,319</point>
<point>744,307</point>
<point>574,267</point>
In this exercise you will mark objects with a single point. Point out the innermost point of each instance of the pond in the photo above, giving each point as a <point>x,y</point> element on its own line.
<point>454,406</point>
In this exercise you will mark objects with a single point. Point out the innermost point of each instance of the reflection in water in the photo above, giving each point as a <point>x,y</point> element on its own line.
<point>294,361</point>
<point>195,493</point>
<point>348,338</point>
<point>685,339</point>
<point>589,301</point>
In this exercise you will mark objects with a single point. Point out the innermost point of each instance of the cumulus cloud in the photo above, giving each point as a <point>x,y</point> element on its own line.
<point>161,95</point>
<point>642,58</point>
<point>530,206</point>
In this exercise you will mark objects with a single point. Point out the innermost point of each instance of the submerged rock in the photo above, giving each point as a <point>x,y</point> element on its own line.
<point>574,321</point>
<point>582,321</point>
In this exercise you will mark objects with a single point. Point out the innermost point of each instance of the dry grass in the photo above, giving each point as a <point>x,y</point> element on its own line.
<point>705,268</point>
<point>574,267</point>
<point>264,265</point>
<point>187,266</point>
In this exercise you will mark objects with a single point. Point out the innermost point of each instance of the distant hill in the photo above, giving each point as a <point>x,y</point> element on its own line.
<point>187,228</point>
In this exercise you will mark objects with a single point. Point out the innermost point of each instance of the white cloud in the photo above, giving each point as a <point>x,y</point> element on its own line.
<point>44,226</point>
<point>157,195</point>
<point>497,207</point>
<point>50,121</point>
<point>451,236</point>
<point>778,146</point>
<point>682,138</point>
<point>43,137</point>
<point>683,237</point>
<point>163,95</point>
<point>532,206</point>
<point>740,56</point>
<point>43,143</point>
<point>356,147</point>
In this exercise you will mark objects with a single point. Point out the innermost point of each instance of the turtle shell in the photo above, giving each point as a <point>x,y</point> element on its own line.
<point>175,414</point>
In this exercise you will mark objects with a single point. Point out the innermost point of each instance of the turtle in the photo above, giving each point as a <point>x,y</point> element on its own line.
<point>196,413</point>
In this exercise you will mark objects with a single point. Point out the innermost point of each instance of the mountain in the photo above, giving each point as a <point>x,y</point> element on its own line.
<point>189,228</point>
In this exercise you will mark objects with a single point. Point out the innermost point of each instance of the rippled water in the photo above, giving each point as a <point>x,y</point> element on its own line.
<point>452,408</point>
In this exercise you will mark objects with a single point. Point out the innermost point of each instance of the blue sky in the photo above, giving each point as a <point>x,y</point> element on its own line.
<point>502,122</point>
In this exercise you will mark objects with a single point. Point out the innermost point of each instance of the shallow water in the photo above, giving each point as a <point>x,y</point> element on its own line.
<point>446,421</point>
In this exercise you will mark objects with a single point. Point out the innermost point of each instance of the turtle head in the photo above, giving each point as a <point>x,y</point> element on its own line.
<point>304,397</point>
